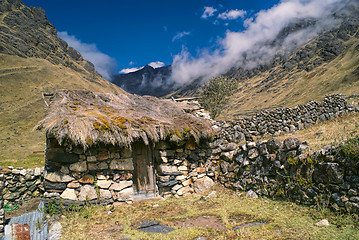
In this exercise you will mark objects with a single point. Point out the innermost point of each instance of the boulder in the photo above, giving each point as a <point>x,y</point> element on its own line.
<point>326,172</point>
<point>273,145</point>
<point>224,166</point>
<point>78,167</point>
<point>291,143</point>
<point>69,194</point>
<point>165,168</point>
<point>87,193</point>
<point>122,164</point>
<point>203,184</point>
<point>251,194</point>
<point>57,177</point>
<point>322,223</point>
<point>87,179</point>
<point>104,183</point>
<point>228,156</point>
<point>105,194</point>
<point>253,153</point>
<point>73,185</point>
<point>121,185</point>
<point>126,194</point>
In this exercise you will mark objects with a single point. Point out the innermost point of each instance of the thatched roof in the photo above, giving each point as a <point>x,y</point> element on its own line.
<point>88,118</point>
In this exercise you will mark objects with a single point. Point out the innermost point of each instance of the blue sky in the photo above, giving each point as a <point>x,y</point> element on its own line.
<point>199,38</point>
<point>136,33</point>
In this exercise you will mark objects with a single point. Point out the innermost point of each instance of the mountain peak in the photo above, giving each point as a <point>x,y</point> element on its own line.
<point>147,67</point>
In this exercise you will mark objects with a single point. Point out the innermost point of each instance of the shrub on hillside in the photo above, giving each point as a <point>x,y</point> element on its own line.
<point>216,94</point>
<point>350,149</point>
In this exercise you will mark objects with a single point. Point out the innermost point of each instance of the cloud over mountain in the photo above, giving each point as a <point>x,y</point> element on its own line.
<point>156,64</point>
<point>260,40</point>
<point>104,64</point>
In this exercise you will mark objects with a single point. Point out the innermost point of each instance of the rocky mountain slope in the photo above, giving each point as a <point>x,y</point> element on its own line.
<point>146,81</point>
<point>33,59</point>
<point>327,64</point>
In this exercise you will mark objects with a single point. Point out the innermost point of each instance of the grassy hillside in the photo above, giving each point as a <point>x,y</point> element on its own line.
<point>22,80</point>
<point>290,88</point>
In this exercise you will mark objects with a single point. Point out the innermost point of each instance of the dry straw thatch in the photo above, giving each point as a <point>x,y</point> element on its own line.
<point>88,118</point>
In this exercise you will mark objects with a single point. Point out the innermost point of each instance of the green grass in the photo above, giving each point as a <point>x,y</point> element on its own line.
<point>285,220</point>
<point>31,160</point>
<point>350,149</point>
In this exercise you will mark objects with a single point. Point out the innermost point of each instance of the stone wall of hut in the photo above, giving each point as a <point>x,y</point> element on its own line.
<point>105,173</point>
<point>99,174</point>
<point>184,168</point>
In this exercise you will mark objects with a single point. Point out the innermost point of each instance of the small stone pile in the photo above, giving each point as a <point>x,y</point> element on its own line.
<point>21,184</point>
<point>284,169</point>
<point>2,210</point>
<point>283,120</point>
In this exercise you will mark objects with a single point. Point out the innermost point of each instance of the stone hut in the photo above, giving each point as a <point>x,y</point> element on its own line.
<point>105,147</point>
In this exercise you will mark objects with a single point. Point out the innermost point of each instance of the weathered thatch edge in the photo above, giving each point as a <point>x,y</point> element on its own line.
<point>143,118</point>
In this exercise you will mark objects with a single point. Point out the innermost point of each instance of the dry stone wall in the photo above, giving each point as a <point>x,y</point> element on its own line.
<point>284,169</point>
<point>21,184</point>
<point>284,120</point>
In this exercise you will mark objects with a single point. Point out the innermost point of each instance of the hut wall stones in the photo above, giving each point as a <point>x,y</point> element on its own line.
<point>183,169</point>
<point>107,174</point>
<point>99,173</point>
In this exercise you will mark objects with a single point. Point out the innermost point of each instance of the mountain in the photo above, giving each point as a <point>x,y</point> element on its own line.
<point>147,81</point>
<point>34,60</point>
<point>326,64</point>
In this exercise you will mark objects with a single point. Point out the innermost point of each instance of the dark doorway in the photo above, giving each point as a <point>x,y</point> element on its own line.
<point>143,175</point>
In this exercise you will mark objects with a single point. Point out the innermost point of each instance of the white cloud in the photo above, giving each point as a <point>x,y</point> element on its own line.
<point>208,12</point>
<point>180,35</point>
<point>104,64</point>
<point>256,44</point>
<point>129,70</point>
<point>232,14</point>
<point>156,64</point>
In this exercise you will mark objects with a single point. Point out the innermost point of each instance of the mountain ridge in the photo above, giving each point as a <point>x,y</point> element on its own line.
<point>147,81</point>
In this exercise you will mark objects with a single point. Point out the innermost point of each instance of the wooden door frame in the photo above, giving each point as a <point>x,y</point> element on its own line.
<point>139,149</point>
